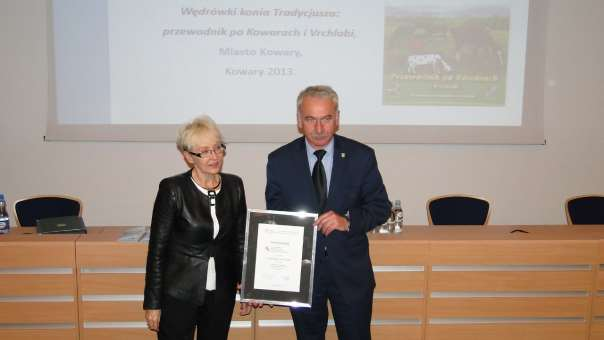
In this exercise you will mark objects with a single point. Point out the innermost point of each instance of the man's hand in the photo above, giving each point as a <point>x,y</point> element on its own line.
<point>330,221</point>
<point>152,316</point>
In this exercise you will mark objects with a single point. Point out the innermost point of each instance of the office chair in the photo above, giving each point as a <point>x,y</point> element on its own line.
<point>585,209</point>
<point>28,210</point>
<point>458,210</point>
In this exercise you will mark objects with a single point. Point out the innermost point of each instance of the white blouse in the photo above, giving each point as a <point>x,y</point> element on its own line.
<point>211,275</point>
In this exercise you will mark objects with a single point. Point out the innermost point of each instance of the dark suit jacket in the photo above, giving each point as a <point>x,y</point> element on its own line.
<point>356,189</point>
<point>182,242</point>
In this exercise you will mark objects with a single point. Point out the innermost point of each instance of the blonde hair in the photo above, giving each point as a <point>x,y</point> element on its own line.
<point>198,127</point>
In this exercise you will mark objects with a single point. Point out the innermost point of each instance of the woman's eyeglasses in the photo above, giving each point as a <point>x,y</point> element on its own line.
<point>216,151</point>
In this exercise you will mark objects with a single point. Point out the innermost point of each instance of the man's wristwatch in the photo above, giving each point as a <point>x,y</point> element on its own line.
<point>347,217</point>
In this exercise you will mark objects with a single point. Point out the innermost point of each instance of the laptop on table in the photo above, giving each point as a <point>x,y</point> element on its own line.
<point>61,225</point>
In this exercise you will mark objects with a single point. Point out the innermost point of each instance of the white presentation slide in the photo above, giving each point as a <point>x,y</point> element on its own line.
<point>398,62</point>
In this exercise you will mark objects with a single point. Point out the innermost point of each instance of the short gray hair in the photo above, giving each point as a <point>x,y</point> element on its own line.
<point>200,126</point>
<point>321,91</point>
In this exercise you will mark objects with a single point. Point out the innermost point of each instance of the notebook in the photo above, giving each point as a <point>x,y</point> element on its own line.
<point>61,225</point>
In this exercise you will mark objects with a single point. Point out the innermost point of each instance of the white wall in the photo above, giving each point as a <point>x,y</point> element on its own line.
<point>117,181</point>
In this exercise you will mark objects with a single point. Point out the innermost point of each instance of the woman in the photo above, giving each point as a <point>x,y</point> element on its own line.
<point>196,246</point>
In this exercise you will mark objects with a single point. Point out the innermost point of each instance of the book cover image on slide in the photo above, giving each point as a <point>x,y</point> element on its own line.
<point>439,56</point>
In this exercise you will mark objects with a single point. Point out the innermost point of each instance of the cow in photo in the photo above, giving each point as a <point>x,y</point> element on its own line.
<point>435,61</point>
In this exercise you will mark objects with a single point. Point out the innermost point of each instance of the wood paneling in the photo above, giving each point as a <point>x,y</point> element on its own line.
<point>37,284</point>
<point>39,254</point>
<point>122,334</point>
<point>144,334</point>
<point>393,309</point>
<point>275,313</point>
<point>276,333</point>
<point>597,330</point>
<point>112,311</point>
<point>509,307</point>
<point>27,297</point>
<point>600,280</point>
<point>396,332</point>
<point>511,281</point>
<point>111,283</point>
<point>598,306</point>
<point>400,281</point>
<point>547,331</point>
<point>38,312</point>
<point>99,252</point>
<point>107,311</point>
<point>378,332</point>
<point>388,252</point>
<point>38,334</point>
<point>107,254</point>
<point>513,252</point>
<point>416,246</point>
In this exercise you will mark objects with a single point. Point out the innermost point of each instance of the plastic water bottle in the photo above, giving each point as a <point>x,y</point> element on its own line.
<point>397,214</point>
<point>4,220</point>
<point>383,229</point>
<point>388,226</point>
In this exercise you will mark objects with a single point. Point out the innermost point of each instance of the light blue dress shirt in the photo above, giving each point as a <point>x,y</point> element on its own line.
<point>327,160</point>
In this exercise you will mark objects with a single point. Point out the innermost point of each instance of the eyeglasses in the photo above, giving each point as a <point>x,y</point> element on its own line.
<point>218,150</point>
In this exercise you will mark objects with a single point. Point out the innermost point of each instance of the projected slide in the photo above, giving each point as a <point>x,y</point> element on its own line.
<point>398,62</point>
<point>445,55</point>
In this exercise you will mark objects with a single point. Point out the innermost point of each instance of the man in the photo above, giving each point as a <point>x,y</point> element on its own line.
<point>347,191</point>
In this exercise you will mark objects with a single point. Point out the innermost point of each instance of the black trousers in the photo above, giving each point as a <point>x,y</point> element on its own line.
<point>212,319</point>
<point>352,317</point>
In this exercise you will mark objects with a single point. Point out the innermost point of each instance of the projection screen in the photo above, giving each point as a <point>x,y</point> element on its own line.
<point>407,71</point>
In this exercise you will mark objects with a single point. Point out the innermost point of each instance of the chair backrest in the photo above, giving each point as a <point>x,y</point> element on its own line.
<point>585,209</point>
<point>458,210</point>
<point>28,210</point>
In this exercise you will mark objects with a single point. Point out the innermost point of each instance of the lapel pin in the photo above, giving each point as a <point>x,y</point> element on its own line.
<point>343,155</point>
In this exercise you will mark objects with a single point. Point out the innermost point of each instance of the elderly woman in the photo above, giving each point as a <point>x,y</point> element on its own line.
<point>197,237</point>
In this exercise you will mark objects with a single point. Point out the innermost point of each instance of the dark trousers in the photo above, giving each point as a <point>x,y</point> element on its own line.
<point>213,318</point>
<point>352,317</point>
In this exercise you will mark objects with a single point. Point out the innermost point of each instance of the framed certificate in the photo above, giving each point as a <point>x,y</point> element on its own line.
<point>279,257</point>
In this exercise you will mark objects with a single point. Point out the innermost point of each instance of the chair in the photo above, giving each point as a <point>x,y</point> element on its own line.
<point>458,210</point>
<point>585,209</point>
<point>28,210</point>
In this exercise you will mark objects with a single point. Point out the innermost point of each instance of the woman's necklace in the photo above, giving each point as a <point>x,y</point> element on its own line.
<point>203,186</point>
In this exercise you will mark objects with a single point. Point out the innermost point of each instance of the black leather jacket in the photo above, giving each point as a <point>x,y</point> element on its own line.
<point>182,240</point>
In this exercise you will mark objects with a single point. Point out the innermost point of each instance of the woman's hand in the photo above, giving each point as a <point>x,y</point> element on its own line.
<point>244,308</point>
<point>152,316</point>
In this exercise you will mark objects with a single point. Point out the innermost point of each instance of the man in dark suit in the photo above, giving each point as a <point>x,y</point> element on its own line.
<point>338,178</point>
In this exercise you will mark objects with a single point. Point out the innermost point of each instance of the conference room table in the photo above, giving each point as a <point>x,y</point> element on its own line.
<point>435,283</point>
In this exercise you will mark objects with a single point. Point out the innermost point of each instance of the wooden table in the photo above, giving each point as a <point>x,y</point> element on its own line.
<point>111,280</point>
<point>38,288</point>
<point>433,283</point>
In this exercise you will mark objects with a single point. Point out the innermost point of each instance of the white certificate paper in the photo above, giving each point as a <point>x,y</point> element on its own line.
<point>278,257</point>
